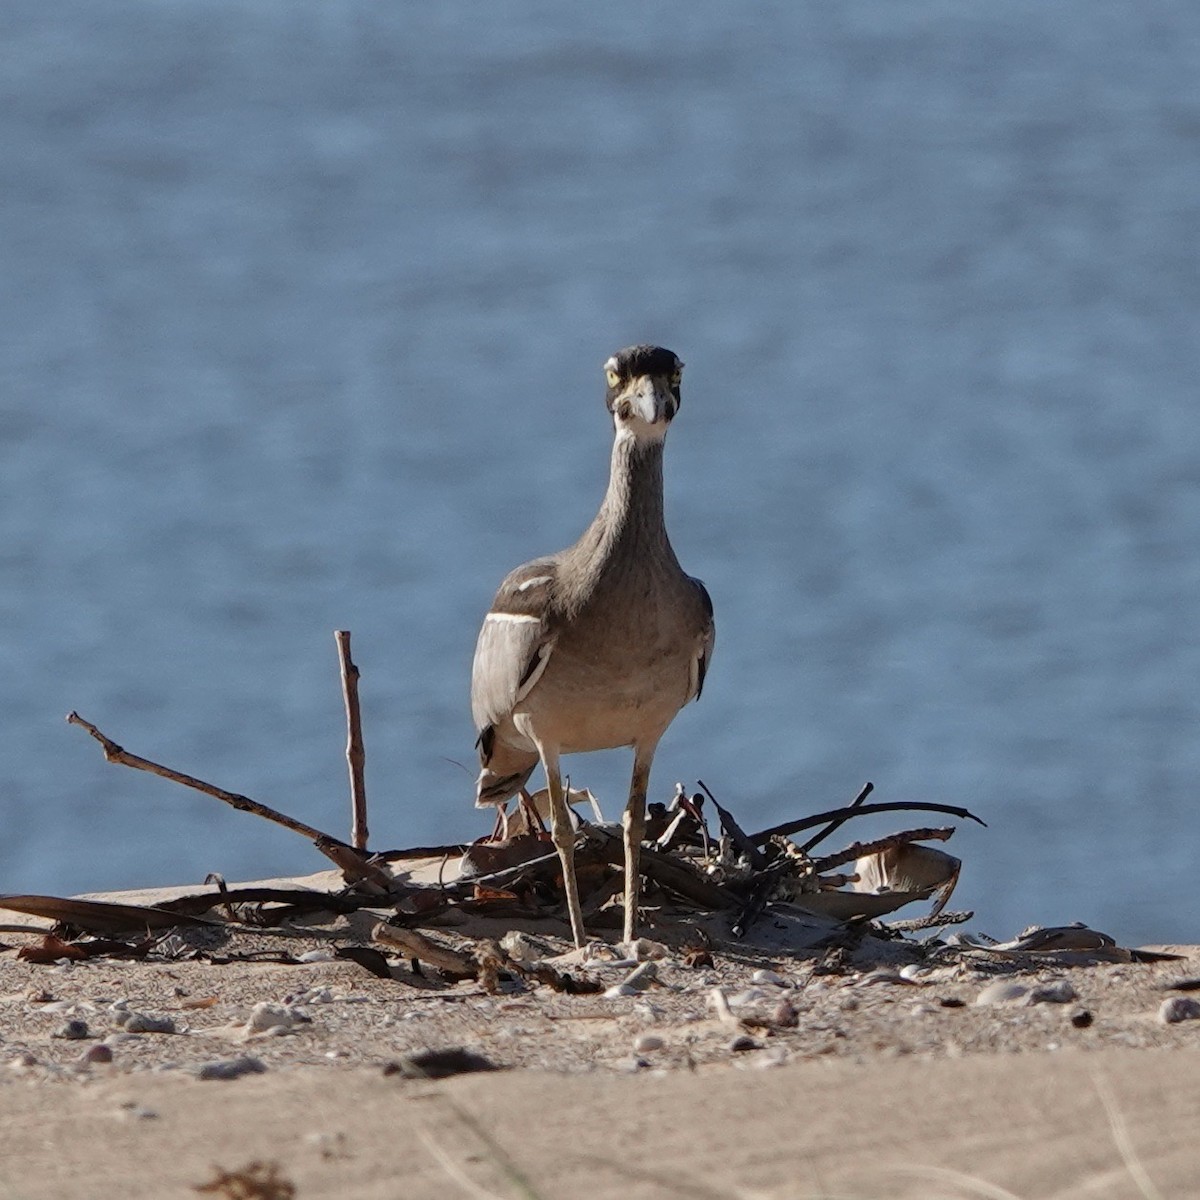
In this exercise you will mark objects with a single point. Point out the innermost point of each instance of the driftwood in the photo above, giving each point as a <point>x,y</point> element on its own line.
<point>99,916</point>
<point>355,754</point>
<point>860,810</point>
<point>862,849</point>
<point>345,856</point>
<point>741,874</point>
<point>416,945</point>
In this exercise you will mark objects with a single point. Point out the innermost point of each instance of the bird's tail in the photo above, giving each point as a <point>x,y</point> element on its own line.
<point>505,772</point>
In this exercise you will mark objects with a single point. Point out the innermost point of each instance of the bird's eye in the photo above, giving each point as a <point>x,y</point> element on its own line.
<point>612,377</point>
<point>676,377</point>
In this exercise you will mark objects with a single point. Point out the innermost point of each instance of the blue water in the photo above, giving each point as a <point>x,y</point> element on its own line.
<point>302,313</point>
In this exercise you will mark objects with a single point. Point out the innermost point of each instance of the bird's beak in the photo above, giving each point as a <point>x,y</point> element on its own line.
<point>650,400</point>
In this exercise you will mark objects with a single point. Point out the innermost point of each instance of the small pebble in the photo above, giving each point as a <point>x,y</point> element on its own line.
<point>1003,991</point>
<point>766,976</point>
<point>139,1022</point>
<point>719,1003</point>
<point>270,1020</point>
<point>747,998</point>
<point>72,1030</point>
<point>1057,991</point>
<point>519,948</point>
<point>742,1043</point>
<point>636,981</point>
<point>648,1043</point>
<point>63,1006</point>
<point>439,1063</point>
<point>99,1053</point>
<point>1178,1008</point>
<point>882,975</point>
<point>643,950</point>
<point>230,1068</point>
<point>1081,1018</point>
<point>313,995</point>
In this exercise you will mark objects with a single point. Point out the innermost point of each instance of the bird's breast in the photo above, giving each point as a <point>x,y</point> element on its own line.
<point>611,687</point>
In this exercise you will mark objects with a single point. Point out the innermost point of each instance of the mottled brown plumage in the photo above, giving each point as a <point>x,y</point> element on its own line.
<point>599,645</point>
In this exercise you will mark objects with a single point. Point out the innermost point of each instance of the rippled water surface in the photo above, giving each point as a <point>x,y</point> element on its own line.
<point>302,313</point>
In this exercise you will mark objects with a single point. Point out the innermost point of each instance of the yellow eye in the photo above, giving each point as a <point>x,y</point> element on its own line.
<point>612,377</point>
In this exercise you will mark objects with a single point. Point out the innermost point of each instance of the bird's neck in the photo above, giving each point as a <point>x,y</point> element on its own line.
<point>629,526</point>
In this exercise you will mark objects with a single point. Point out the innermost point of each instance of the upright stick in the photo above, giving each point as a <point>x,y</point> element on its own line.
<point>355,755</point>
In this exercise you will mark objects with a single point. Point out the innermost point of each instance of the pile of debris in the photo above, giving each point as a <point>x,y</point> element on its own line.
<point>703,874</point>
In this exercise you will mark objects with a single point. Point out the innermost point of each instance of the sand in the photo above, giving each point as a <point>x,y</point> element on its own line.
<point>855,1082</point>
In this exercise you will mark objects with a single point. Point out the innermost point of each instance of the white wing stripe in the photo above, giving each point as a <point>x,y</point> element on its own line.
<point>535,674</point>
<point>515,617</point>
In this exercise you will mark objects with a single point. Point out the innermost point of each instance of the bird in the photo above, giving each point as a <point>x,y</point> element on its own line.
<point>600,645</point>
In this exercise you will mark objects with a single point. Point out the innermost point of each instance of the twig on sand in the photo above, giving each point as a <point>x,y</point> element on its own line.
<point>353,862</point>
<point>416,945</point>
<point>355,754</point>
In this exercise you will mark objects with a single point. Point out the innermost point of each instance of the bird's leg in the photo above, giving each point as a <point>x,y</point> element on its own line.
<point>633,823</point>
<point>562,833</point>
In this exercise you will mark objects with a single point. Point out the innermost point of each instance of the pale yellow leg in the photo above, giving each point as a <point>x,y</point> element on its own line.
<point>563,835</point>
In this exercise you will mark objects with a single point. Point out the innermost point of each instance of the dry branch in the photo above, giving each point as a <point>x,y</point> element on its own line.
<point>416,945</point>
<point>355,754</point>
<point>860,810</point>
<point>666,870</point>
<point>862,849</point>
<point>931,921</point>
<point>821,834</point>
<point>346,857</point>
<point>734,831</point>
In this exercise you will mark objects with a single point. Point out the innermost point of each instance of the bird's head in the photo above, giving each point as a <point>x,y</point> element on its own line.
<point>643,390</point>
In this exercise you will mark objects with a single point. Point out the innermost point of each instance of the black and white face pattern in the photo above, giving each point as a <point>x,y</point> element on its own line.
<point>643,390</point>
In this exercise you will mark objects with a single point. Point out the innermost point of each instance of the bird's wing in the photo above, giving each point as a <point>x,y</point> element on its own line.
<point>514,644</point>
<point>706,640</point>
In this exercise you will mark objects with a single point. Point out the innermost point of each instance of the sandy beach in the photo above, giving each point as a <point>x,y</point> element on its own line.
<point>755,1074</point>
